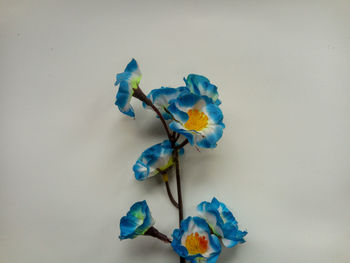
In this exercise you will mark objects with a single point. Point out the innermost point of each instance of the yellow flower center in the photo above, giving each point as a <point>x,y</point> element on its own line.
<point>197,120</point>
<point>196,244</point>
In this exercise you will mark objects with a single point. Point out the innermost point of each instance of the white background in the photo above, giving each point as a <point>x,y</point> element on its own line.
<point>282,68</point>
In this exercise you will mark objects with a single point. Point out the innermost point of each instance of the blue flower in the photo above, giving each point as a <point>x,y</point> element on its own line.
<point>158,156</point>
<point>201,86</point>
<point>198,119</point>
<point>222,222</point>
<point>136,222</point>
<point>128,81</point>
<point>194,241</point>
<point>162,98</point>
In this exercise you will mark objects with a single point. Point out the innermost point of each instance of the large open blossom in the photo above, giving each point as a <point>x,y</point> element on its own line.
<point>156,157</point>
<point>194,241</point>
<point>198,119</point>
<point>222,222</point>
<point>137,221</point>
<point>128,81</point>
<point>162,98</point>
<point>201,86</point>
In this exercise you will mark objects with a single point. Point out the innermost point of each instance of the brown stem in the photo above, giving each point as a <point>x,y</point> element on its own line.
<point>164,174</point>
<point>174,135</point>
<point>181,144</point>
<point>153,232</point>
<point>178,184</point>
<point>171,195</point>
<point>161,119</point>
<point>138,93</point>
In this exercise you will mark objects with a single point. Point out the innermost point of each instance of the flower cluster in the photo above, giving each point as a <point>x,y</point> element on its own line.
<point>198,239</point>
<point>193,109</point>
<point>191,112</point>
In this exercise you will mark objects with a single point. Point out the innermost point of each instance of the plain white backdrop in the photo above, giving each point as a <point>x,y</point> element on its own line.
<point>282,69</point>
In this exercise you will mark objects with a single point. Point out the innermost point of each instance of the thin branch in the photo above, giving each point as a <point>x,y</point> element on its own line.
<point>174,135</point>
<point>165,179</point>
<point>161,119</point>
<point>181,144</point>
<point>138,93</point>
<point>153,232</point>
<point>178,185</point>
<point>172,200</point>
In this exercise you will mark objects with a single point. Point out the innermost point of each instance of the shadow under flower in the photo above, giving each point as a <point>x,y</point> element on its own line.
<point>145,249</point>
<point>228,254</point>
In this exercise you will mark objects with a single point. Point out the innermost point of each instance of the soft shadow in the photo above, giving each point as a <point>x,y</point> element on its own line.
<point>147,186</point>
<point>228,254</point>
<point>148,125</point>
<point>145,248</point>
<point>152,128</point>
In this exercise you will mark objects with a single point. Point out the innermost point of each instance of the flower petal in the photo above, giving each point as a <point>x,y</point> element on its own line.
<point>213,112</point>
<point>211,135</point>
<point>222,222</point>
<point>136,222</point>
<point>158,156</point>
<point>127,81</point>
<point>141,170</point>
<point>196,227</point>
<point>163,97</point>
<point>209,131</point>
<point>177,127</point>
<point>201,86</point>
<point>123,99</point>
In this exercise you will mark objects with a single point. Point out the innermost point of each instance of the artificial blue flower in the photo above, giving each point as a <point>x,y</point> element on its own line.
<point>158,156</point>
<point>201,86</point>
<point>222,222</point>
<point>128,81</point>
<point>162,98</point>
<point>136,222</point>
<point>194,241</point>
<point>198,119</point>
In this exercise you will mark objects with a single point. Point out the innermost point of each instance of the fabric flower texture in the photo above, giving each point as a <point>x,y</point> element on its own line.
<point>128,81</point>
<point>198,119</point>
<point>194,241</point>
<point>200,85</point>
<point>162,98</point>
<point>137,221</point>
<point>158,156</point>
<point>222,222</point>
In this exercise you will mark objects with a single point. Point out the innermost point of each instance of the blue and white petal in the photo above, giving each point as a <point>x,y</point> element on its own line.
<point>222,222</point>
<point>162,98</point>
<point>132,75</point>
<point>136,222</point>
<point>194,241</point>
<point>201,86</point>
<point>206,120</point>
<point>123,98</point>
<point>210,136</point>
<point>156,157</point>
<point>232,235</point>
<point>178,127</point>
<point>128,81</point>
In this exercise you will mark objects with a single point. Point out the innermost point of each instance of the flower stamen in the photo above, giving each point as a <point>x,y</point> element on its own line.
<point>197,120</point>
<point>196,244</point>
